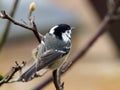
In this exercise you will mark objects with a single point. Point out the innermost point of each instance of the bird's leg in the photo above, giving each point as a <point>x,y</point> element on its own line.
<point>56,80</point>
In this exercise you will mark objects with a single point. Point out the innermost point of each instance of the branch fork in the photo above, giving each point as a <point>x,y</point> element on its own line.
<point>31,27</point>
<point>12,72</point>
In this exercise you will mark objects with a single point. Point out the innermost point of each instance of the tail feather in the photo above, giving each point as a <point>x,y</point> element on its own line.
<point>27,74</point>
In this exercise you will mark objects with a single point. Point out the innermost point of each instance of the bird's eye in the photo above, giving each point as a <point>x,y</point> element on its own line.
<point>68,31</point>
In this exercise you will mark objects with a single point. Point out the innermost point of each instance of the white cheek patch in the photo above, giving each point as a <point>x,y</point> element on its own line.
<point>69,33</point>
<point>66,36</point>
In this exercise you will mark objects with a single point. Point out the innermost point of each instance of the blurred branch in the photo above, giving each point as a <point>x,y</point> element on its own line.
<point>113,7</point>
<point>6,30</point>
<point>100,31</point>
<point>12,72</point>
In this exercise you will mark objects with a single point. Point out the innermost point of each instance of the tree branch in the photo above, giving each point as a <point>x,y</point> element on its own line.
<point>11,73</point>
<point>33,28</point>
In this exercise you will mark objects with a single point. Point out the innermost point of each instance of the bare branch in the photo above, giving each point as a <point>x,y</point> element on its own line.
<point>4,15</point>
<point>12,72</point>
<point>33,28</point>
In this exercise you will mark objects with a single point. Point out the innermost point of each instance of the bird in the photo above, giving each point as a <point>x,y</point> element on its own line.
<point>52,52</point>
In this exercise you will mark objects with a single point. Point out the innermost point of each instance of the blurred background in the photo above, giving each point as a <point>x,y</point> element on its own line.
<point>99,69</point>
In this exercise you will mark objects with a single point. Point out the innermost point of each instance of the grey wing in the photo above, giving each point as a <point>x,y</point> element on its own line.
<point>49,57</point>
<point>45,59</point>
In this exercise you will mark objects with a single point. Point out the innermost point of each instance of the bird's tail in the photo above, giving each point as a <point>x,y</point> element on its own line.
<point>26,76</point>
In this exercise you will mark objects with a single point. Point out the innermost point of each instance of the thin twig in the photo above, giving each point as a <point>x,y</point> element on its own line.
<point>33,28</point>
<point>4,15</point>
<point>6,30</point>
<point>36,33</point>
<point>11,73</point>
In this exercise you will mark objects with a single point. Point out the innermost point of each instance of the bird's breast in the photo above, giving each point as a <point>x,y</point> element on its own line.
<point>58,63</point>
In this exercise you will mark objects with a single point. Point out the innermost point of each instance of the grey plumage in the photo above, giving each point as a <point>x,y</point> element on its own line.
<point>48,55</point>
